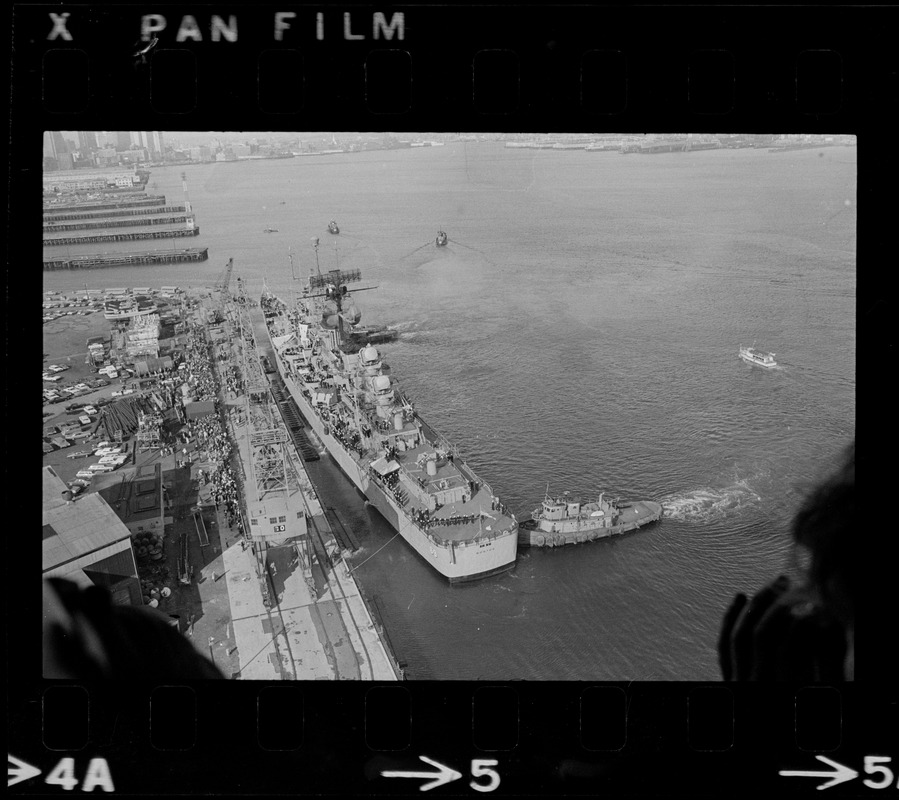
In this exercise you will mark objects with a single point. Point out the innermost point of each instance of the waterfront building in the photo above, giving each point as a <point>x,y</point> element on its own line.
<point>137,497</point>
<point>86,542</point>
<point>142,336</point>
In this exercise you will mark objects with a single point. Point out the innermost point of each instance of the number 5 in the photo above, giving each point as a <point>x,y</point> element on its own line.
<point>871,766</point>
<point>481,766</point>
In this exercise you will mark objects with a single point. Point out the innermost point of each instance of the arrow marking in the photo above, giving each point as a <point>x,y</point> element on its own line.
<point>18,771</point>
<point>445,774</point>
<point>843,773</point>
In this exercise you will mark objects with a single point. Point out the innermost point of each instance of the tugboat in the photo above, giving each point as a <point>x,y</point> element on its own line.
<point>441,239</point>
<point>753,356</point>
<point>332,227</point>
<point>404,467</point>
<point>566,520</point>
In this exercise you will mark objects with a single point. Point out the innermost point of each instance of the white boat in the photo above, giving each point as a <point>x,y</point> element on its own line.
<point>754,356</point>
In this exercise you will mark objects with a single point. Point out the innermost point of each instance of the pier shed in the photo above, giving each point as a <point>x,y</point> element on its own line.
<point>85,542</point>
<point>199,408</point>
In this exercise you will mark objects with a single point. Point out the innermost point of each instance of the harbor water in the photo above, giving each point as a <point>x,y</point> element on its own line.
<point>580,330</point>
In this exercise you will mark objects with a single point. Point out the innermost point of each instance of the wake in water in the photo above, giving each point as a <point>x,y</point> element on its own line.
<point>410,330</point>
<point>708,504</point>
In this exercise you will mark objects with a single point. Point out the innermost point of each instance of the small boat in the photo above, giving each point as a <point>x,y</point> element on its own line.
<point>567,520</point>
<point>270,230</point>
<point>332,227</point>
<point>441,239</point>
<point>754,356</point>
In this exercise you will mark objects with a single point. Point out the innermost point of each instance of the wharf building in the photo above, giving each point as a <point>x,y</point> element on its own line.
<point>142,337</point>
<point>139,498</point>
<point>86,542</point>
<point>86,180</point>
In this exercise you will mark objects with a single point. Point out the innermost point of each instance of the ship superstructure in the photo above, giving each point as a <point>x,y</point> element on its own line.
<point>414,477</point>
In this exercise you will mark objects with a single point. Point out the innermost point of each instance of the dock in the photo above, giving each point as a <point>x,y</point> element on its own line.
<point>122,237</point>
<point>102,260</point>
<point>85,205</point>
<point>297,612</point>
<point>87,214</point>
<point>131,222</point>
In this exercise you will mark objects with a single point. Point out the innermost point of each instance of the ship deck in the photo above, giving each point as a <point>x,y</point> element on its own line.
<point>478,506</point>
<point>456,474</point>
<point>448,476</point>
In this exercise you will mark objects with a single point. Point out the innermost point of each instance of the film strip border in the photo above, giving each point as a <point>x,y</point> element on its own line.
<point>455,68</point>
<point>524,739</point>
<point>460,67</point>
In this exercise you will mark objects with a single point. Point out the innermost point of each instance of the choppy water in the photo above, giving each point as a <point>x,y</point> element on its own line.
<point>580,329</point>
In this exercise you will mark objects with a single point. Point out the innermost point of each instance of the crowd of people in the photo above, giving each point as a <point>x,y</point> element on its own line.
<point>225,492</point>
<point>209,431</point>
<point>199,372</point>
<point>232,380</point>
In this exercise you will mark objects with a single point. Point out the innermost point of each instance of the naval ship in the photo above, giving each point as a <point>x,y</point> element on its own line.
<point>408,471</point>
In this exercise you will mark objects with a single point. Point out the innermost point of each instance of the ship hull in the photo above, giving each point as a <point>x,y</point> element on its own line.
<point>557,534</point>
<point>459,561</point>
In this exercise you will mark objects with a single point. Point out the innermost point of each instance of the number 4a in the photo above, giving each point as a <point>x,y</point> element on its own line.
<point>97,776</point>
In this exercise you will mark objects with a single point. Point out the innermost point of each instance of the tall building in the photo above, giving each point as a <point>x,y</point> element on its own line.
<point>56,152</point>
<point>56,144</point>
<point>123,140</point>
<point>87,140</point>
<point>152,142</point>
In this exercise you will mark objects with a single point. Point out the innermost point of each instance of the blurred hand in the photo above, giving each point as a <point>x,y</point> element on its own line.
<point>780,635</point>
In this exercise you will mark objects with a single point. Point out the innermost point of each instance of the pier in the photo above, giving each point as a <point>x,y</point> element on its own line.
<point>122,237</point>
<point>102,260</point>
<point>136,202</point>
<point>52,218</point>
<point>296,610</point>
<point>117,223</point>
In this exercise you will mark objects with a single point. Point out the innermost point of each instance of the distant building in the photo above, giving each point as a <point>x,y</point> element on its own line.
<point>123,140</point>
<point>56,152</point>
<point>134,156</point>
<point>82,179</point>
<point>201,153</point>
<point>84,541</point>
<point>152,142</point>
<point>87,140</point>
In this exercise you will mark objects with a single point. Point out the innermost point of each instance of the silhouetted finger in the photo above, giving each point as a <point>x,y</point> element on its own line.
<point>743,645</point>
<point>725,657</point>
<point>771,637</point>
